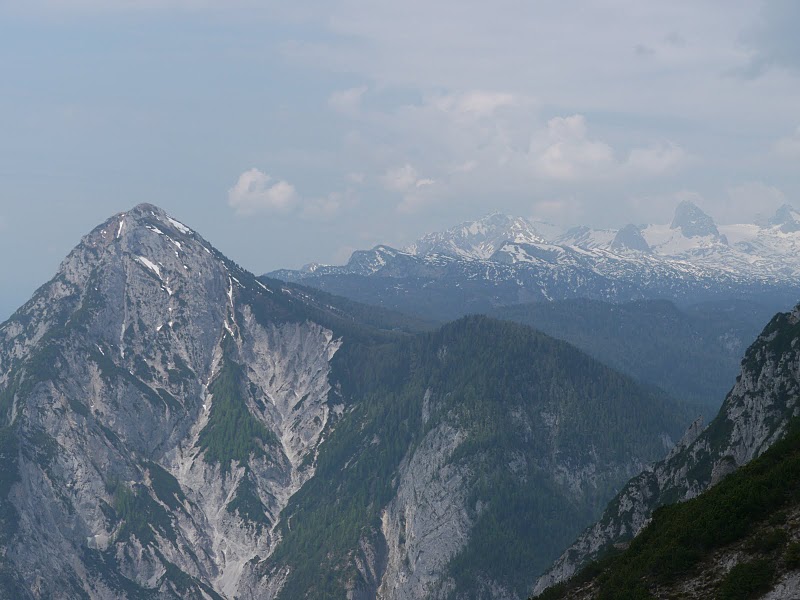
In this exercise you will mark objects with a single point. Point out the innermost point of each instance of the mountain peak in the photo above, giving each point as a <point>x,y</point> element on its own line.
<point>146,207</point>
<point>149,211</point>
<point>477,239</point>
<point>786,218</point>
<point>692,221</point>
<point>137,219</point>
<point>630,238</point>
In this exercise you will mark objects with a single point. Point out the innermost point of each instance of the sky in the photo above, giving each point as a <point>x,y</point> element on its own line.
<point>289,134</point>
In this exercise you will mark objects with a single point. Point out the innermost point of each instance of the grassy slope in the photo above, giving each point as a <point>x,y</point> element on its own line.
<point>751,516</point>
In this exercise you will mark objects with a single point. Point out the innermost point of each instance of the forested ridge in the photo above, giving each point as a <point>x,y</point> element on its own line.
<point>492,380</point>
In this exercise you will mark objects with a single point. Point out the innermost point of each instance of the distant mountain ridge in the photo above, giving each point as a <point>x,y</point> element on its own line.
<point>691,353</point>
<point>478,239</point>
<point>500,261</point>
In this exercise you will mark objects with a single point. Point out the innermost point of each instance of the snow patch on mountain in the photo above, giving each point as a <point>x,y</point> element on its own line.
<point>477,240</point>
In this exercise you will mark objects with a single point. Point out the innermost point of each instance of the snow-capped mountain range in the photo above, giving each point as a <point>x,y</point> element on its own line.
<point>501,260</point>
<point>479,239</point>
<point>768,251</point>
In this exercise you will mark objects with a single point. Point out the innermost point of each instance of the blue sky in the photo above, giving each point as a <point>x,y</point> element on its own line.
<point>294,134</point>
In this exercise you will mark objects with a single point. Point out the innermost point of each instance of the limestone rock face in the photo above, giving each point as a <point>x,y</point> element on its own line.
<point>754,416</point>
<point>108,375</point>
<point>430,493</point>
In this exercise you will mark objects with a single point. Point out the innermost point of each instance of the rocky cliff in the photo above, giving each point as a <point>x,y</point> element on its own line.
<point>753,417</point>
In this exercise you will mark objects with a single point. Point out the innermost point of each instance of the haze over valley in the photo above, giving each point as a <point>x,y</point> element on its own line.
<point>383,301</point>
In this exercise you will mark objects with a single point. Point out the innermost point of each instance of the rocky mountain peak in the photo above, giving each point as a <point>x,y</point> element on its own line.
<point>786,218</point>
<point>144,248</point>
<point>630,238</point>
<point>477,239</point>
<point>142,222</point>
<point>166,381</point>
<point>692,221</point>
<point>145,207</point>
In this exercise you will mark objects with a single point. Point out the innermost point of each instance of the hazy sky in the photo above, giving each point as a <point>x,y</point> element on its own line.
<point>293,134</point>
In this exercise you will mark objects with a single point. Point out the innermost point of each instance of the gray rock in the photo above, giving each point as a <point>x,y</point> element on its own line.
<point>754,416</point>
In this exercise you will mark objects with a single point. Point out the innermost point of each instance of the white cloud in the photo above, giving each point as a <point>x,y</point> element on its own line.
<point>565,211</point>
<point>414,202</point>
<point>476,103</point>
<point>465,167</point>
<point>498,117</point>
<point>789,147</point>
<point>562,56</point>
<point>496,147</point>
<point>356,178</point>
<point>481,143</point>
<point>416,191</point>
<point>566,152</point>
<point>322,208</point>
<point>750,200</point>
<point>401,179</point>
<point>256,192</point>
<point>328,206</point>
<point>655,160</point>
<point>347,102</point>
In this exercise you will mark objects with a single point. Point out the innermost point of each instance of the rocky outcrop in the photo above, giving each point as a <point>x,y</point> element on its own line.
<point>754,416</point>
<point>786,219</point>
<point>630,238</point>
<point>693,222</point>
<point>427,522</point>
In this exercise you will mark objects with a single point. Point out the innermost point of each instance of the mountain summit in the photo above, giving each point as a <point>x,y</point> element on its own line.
<point>478,239</point>
<point>141,392</point>
<point>630,238</point>
<point>692,221</point>
<point>786,218</point>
